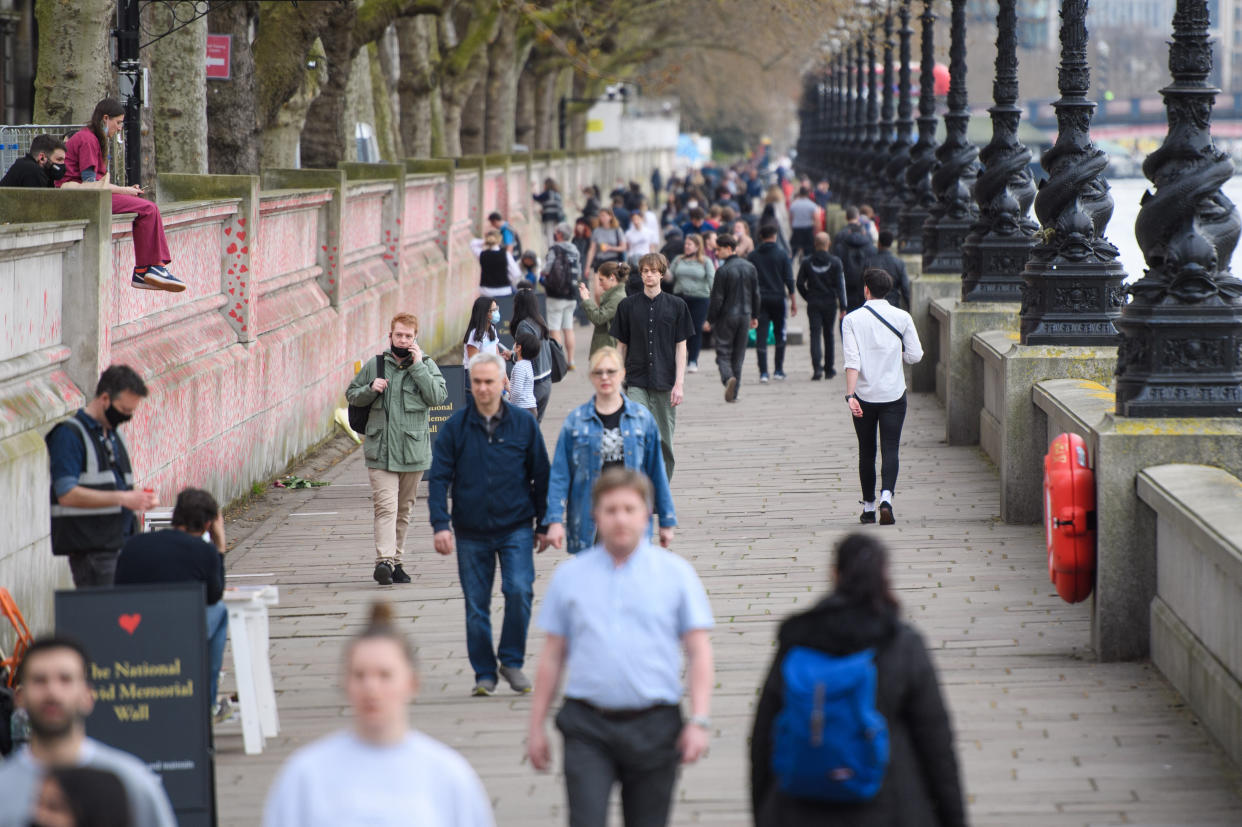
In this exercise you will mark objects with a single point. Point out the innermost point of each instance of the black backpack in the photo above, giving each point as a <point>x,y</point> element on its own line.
<point>562,277</point>
<point>359,414</point>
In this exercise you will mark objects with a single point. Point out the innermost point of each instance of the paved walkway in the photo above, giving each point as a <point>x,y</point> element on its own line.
<point>763,488</point>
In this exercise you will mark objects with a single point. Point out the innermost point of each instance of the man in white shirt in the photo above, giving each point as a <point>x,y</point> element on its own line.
<point>52,687</point>
<point>878,339</point>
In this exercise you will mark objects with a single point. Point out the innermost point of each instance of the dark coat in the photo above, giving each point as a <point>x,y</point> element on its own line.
<point>886,260</point>
<point>921,787</point>
<point>775,270</point>
<point>853,246</point>
<point>735,291</point>
<point>821,280</point>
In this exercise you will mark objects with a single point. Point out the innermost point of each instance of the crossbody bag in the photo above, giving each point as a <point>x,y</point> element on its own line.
<point>887,324</point>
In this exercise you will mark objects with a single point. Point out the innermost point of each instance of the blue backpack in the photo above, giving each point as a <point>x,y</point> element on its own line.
<point>829,742</point>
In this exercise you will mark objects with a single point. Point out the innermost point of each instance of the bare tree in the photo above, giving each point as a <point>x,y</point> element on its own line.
<point>464,33</point>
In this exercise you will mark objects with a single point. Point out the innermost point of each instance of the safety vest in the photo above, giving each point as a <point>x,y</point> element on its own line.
<point>92,529</point>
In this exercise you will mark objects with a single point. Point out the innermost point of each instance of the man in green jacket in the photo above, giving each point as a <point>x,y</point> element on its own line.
<point>397,446</point>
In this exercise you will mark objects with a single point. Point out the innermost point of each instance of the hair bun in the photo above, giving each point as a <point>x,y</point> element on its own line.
<point>381,614</point>
<point>623,269</point>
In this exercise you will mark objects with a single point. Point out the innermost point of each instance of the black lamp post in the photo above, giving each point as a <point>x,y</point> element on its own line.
<point>1072,292</point>
<point>880,190</point>
<point>871,141</point>
<point>899,150</point>
<point>995,253</point>
<point>858,138</point>
<point>1181,351</point>
<point>955,210</point>
<point>923,160</point>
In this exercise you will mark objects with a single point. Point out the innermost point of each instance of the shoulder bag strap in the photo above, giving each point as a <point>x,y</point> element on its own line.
<point>887,324</point>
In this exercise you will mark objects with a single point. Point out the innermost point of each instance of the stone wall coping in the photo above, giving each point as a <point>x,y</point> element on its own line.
<point>15,237</point>
<point>1083,401</point>
<point>942,308</point>
<point>1204,503</point>
<point>993,344</point>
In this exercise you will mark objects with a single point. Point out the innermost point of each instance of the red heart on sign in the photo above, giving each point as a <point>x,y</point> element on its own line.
<point>129,622</point>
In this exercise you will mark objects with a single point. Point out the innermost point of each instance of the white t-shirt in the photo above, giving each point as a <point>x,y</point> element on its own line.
<point>638,241</point>
<point>491,344</point>
<point>342,780</point>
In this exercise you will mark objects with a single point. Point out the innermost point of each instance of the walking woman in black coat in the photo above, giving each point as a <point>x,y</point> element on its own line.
<point>921,785</point>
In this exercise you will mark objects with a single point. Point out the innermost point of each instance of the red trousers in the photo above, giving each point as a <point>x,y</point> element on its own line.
<point>150,245</point>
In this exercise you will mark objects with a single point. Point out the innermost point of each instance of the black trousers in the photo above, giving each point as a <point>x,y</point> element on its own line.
<point>640,752</point>
<point>771,311</point>
<point>887,418</point>
<point>822,318</point>
<point>729,336</point>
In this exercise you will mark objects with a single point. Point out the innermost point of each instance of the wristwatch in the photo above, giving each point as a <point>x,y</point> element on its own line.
<point>848,397</point>
<point>702,721</point>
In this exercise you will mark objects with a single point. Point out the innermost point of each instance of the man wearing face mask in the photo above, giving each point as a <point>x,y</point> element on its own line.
<point>397,446</point>
<point>93,501</point>
<point>42,165</point>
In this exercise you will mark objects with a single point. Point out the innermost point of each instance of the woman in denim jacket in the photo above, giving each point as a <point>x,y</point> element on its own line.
<point>609,430</point>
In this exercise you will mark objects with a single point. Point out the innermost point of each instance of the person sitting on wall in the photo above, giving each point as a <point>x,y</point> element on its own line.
<point>43,165</point>
<point>181,555</point>
<point>87,161</point>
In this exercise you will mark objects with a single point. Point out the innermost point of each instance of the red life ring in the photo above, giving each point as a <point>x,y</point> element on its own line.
<point>1069,517</point>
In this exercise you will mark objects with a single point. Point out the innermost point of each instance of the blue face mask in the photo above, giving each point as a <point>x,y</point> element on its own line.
<point>495,317</point>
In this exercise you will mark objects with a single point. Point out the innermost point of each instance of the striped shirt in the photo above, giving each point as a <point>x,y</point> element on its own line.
<point>522,385</point>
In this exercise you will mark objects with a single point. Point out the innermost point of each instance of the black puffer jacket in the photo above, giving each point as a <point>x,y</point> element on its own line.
<point>921,787</point>
<point>853,246</point>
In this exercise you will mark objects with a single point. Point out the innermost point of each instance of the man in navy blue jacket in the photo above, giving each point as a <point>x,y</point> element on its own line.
<point>490,456</point>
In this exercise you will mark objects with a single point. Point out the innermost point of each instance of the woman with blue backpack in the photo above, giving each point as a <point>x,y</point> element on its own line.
<point>851,728</point>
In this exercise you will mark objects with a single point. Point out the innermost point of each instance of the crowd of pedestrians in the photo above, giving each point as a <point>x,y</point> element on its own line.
<point>624,616</point>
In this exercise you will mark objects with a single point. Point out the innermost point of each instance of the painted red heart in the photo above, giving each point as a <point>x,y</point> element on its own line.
<point>232,249</point>
<point>129,622</point>
<point>241,221</point>
<point>228,230</point>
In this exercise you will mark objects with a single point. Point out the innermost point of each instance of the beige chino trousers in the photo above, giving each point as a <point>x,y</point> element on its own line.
<point>393,494</point>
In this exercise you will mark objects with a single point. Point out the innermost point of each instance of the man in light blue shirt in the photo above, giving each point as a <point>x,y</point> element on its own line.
<point>617,617</point>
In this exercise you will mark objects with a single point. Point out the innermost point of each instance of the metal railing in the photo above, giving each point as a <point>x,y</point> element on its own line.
<point>15,142</point>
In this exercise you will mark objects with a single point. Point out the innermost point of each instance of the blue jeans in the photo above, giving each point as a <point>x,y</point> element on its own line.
<point>476,566</point>
<point>217,636</point>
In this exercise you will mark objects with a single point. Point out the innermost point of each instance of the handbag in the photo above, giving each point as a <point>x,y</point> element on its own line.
<point>359,414</point>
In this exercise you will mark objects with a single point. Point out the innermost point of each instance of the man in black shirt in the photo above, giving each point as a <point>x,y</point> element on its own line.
<point>180,555</point>
<point>42,165</point>
<point>651,329</point>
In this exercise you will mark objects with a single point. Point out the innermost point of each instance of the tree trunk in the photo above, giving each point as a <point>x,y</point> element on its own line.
<point>463,62</point>
<point>232,122</point>
<point>359,109</point>
<point>499,88</point>
<point>325,131</point>
<point>281,138</point>
<point>282,46</point>
<point>386,74</point>
<point>416,38</point>
<point>473,117</point>
<point>576,138</point>
<point>545,105</point>
<point>179,94</point>
<point>524,118</point>
<point>74,71</point>
<point>385,128</point>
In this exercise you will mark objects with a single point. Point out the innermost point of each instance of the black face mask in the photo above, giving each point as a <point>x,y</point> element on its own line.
<point>115,417</point>
<point>400,352</point>
<point>54,172</point>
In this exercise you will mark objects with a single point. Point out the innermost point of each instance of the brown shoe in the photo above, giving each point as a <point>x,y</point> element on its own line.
<point>886,514</point>
<point>731,390</point>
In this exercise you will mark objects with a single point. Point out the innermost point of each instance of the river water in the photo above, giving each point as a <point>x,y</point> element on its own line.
<point>1126,195</point>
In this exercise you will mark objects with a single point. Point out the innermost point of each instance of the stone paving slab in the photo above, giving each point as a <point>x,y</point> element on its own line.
<point>1046,735</point>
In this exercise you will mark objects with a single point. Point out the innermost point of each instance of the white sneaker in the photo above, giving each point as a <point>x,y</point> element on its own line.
<point>693,367</point>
